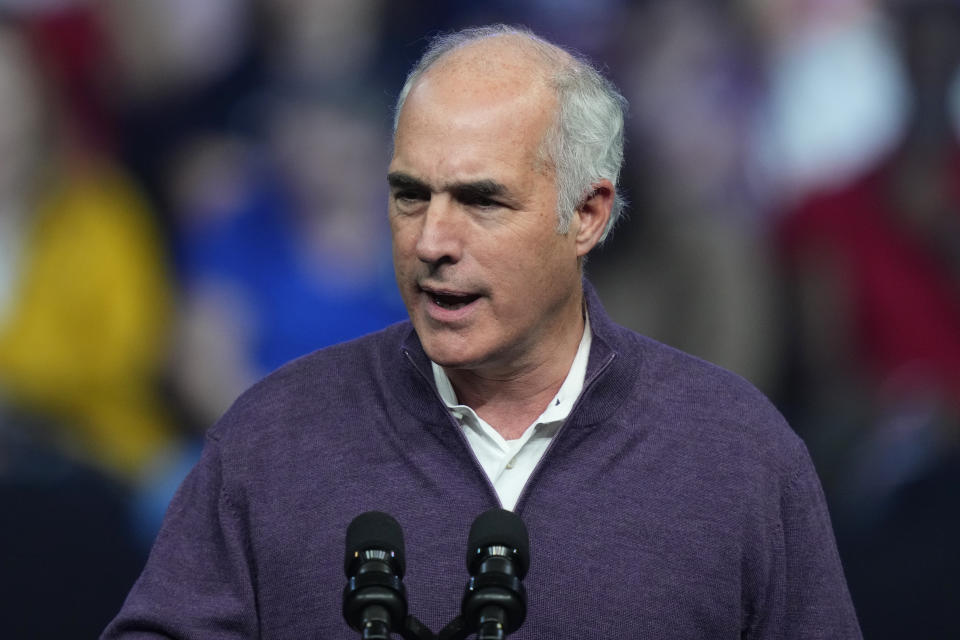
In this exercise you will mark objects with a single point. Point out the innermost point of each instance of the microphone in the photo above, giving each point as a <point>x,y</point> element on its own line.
<point>498,556</point>
<point>374,600</point>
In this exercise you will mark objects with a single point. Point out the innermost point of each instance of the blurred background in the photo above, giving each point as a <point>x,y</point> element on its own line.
<point>192,192</point>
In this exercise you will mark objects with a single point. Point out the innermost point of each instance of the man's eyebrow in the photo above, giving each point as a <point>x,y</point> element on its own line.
<point>476,190</point>
<point>400,180</point>
<point>464,191</point>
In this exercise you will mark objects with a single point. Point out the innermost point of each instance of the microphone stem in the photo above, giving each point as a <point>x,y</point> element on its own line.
<point>491,624</point>
<point>375,631</point>
<point>376,623</point>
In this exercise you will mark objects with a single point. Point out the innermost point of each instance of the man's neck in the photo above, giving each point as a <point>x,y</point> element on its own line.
<point>511,402</point>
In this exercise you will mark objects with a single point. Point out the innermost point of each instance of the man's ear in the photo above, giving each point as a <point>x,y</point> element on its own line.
<point>592,216</point>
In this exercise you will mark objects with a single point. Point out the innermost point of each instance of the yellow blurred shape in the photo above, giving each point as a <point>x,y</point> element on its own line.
<point>88,332</point>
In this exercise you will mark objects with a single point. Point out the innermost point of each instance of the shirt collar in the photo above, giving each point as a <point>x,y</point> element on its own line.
<point>561,404</point>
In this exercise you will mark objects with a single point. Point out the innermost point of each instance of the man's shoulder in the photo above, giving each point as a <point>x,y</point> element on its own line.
<point>351,361</point>
<point>316,383</point>
<point>695,401</point>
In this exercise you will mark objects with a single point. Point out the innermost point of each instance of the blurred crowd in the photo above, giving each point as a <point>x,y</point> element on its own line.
<point>192,193</point>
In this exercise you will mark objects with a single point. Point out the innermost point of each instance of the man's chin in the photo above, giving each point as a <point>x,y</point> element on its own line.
<point>449,360</point>
<point>452,354</point>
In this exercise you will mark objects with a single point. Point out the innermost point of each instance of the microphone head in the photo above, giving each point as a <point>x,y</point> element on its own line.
<point>499,527</point>
<point>374,530</point>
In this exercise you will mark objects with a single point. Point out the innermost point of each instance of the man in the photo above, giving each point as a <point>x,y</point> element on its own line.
<point>665,498</point>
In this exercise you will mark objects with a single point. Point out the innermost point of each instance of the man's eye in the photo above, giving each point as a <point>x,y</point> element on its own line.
<point>410,200</point>
<point>410,196</point>
<point>481,202</point>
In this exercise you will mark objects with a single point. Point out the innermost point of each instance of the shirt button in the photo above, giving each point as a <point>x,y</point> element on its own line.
<point>510,464</point>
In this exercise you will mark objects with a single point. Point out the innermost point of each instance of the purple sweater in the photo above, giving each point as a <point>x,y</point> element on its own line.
<point>674,503</point>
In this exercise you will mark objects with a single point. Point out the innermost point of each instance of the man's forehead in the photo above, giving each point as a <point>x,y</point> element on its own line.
<point>441,146</point>
<point>471,101</point>
<point>502,54</point>
<point>480,113</point>
<point>457,101</point>
<point>495,68</point>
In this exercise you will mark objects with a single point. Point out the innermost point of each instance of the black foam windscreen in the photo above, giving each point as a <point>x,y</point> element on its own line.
<point>499,527</point>
<point>374,530</point>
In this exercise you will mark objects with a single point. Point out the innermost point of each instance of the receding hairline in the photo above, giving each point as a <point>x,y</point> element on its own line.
<point>529,48</point>
<point>515,48</point>
<point>548,59</point>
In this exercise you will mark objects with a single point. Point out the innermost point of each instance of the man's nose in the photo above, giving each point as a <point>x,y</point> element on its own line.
<point>440,237</point>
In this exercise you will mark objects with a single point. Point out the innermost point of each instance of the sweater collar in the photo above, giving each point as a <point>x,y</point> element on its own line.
<point>609,377</point>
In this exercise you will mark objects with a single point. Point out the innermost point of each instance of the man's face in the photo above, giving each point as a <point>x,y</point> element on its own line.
<point>488,283</point>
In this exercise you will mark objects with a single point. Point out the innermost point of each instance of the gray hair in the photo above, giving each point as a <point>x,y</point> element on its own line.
<point>585,142</point>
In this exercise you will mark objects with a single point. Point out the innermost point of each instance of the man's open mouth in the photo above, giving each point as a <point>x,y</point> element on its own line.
<point>451,301</point>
